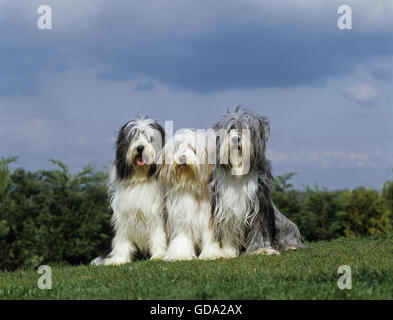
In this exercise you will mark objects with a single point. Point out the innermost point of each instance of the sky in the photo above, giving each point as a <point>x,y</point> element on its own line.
<point>327,92</point>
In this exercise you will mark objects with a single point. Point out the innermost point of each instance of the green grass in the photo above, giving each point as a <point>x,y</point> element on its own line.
<point>303,274</point>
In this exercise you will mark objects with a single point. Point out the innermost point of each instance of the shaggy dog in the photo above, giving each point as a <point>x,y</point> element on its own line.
<point>137,197</point>
<point>243,211</point>
<point>186,173</point>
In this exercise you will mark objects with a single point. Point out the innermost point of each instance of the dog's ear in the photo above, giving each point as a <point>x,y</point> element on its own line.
<point>205,173</point>
<point>159,142</point>
<point>266,131</point>
<point>152,170</point>
<point>161,169</point>
<point>161,130</point>
<point>126,134</point>
<point>265,127</point>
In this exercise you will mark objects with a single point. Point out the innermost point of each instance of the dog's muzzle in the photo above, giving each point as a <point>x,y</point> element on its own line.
<point>182,160</point>
<point>139,157</point>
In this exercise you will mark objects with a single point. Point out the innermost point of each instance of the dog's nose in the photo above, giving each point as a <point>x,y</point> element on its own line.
<point>235,140</point>
<point>140,149</point>
<point>182,159</point>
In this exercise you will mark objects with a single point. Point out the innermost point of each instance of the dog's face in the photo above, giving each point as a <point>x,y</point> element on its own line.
<point>186,158</point>
<point>241,141</point>
<point>138,147</point>
<point>236,150</point>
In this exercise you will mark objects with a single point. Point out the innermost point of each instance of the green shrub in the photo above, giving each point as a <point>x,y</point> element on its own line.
<point>52,216</point>
<point>364,211</point>
<point>322,214</point>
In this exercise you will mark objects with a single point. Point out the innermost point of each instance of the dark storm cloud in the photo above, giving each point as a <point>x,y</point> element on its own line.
<point>26,53</point>
<point>144,86</point>
<point>204,48</point>
<point>380,73</point>
<point>235,53</point>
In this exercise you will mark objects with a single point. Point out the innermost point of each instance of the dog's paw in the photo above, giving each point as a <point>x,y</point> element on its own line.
<point>157,256</point>
<point>115,262</point>
<point>108,261</point>
<point>211,254</point>
<point>230,255</point>
<point>229,252</point>
<point>97,261</point>
<point>179,256</point>
<point>266,251</point>
<point>290,248</point>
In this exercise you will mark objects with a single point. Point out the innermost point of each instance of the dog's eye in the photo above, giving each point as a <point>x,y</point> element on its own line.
<point>151,139</point>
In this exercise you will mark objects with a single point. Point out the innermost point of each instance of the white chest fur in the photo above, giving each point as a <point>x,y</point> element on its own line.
<point>144,198</point>
<point>187,213</point>
<point>237,204</point>
<point>138,211</point>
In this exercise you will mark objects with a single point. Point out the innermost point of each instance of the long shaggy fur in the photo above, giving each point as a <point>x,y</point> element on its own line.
<point>136,196</point>
<point>185,172</point>
<point>244,215</point>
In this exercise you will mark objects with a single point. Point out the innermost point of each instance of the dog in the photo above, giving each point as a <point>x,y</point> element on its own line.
<point>136,195</point>
<point>244,216</point>
<point>186,174</point>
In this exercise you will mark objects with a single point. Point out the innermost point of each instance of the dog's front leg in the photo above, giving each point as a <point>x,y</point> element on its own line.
<point>158,241</point>
<point>229,246</point>
<point>258,243</point>
<point>210,247</point>
<point>181,247</point>
<point>123,250</point>
<point>261,233</point>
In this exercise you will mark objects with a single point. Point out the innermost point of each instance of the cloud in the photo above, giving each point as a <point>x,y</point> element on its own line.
<point>144,86</point>
<point>255,44</point>
<point>34,134</point>
<point>382,69</point>
<point>200,46</point>
<point>381,73</point>
<point>324,158</point>
<point>363,94</point>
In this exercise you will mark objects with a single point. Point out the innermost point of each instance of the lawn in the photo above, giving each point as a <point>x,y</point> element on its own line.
<point>304,274</point>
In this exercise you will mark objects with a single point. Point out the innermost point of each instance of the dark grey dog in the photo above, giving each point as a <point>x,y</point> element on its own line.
<point>244,216</point>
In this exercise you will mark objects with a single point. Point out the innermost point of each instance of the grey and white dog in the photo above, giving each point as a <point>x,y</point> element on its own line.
<point>136,195</point>
<point>244,216</point>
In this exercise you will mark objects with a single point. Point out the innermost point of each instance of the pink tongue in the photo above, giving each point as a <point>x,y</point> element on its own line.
<point>140,161</point>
